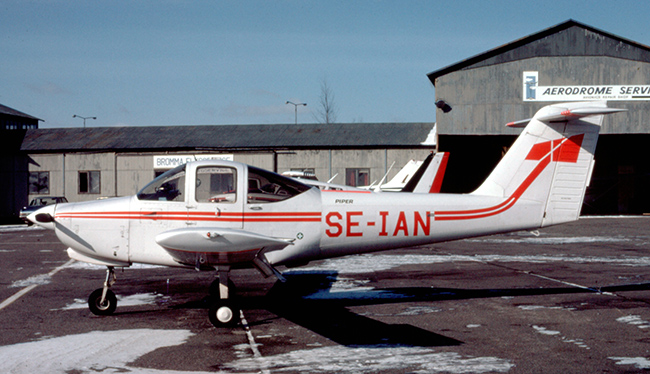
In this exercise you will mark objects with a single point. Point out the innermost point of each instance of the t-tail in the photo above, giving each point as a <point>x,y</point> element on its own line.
<point>551,162</point>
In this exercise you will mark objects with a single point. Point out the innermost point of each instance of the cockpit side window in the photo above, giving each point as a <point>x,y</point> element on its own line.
<point>169,186</point>
<point>267,187</point>
<point>216,185</point>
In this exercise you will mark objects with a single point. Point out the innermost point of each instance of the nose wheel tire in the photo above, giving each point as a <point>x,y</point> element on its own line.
<point>102,309</point>
<point>223,313</point>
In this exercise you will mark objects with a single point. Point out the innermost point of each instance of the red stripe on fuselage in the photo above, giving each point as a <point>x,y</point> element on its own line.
<point>346,191</point>
<point>200,216</point>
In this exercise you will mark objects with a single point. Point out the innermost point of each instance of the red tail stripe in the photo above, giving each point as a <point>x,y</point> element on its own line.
<point>507,204</point>
<point>437,180</point>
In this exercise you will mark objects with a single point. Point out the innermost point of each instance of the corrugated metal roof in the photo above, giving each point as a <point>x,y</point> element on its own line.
<point>350,135</point>
<point>506,52</point>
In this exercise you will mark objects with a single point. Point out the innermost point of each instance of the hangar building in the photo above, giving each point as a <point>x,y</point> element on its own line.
<point>13,126</point>
<point>567,62</point>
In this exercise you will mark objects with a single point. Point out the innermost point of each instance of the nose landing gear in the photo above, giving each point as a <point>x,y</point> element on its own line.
<point>102,301</point>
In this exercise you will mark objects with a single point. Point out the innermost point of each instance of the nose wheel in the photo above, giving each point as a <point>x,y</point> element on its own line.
<point>102,301</point>
<point>223,312</point>
<point>102,305</point>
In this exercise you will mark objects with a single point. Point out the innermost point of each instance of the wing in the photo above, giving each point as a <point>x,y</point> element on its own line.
<point>210,246</point>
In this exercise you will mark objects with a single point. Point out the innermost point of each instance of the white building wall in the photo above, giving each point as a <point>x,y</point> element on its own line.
<point>123,174</point>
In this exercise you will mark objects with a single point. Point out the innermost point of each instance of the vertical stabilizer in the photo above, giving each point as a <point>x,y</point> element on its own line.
<point>551,161</point>
<point>428,178</point>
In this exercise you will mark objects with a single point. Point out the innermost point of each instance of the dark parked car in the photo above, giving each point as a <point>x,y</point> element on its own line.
<point>39,202</point>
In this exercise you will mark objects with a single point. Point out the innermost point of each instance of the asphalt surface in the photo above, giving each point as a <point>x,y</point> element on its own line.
<point>572,299</point>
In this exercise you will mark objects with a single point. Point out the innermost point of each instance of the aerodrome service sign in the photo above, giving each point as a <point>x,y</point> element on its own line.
<point>532,91</point>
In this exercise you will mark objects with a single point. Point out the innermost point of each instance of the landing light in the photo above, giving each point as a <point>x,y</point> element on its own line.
<point>44,218</point>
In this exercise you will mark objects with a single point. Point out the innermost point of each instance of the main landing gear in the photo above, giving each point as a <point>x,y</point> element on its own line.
<point>223,310</point>
<point>102,301</point>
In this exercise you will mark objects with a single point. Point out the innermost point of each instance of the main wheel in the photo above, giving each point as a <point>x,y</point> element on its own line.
<point>102,309</point>
<point>223,313</point>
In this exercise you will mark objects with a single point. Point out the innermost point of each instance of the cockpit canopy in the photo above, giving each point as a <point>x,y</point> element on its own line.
<point>218,184</point>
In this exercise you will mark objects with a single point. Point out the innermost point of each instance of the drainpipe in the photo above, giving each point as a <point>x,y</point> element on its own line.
<point>63,162</point>
<point>115,172</point>
<point>330,151</point>
<point>385,161</point>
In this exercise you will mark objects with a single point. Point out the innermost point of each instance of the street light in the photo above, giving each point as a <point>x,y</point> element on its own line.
<point>84,118</point>
<point>295,107</point>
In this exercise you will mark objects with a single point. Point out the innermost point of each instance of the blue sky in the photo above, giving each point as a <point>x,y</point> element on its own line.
<point>135,63</point>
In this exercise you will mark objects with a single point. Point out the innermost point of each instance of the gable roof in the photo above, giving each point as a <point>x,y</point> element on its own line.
<point>565,39</point>
<point>244,137</point>
<point>13,112</point>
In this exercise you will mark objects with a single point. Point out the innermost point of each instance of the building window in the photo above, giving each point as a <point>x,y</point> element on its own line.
<point>89,182</point>
<point>39,183</point>
<point>357,177</point>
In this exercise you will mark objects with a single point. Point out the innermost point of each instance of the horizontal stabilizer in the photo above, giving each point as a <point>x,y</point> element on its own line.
<point>561,114</point>
<point>568,114</point>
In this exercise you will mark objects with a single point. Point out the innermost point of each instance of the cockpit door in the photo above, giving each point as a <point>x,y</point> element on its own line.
<point>217,198</point>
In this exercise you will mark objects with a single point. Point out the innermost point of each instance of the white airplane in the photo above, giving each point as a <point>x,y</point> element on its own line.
<point>416,176</point>
<point>220,215</point>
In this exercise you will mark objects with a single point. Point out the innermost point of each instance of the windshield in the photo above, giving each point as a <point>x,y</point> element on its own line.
<point>267,187</point>
<point>40,201</point>
<point>167,187</point>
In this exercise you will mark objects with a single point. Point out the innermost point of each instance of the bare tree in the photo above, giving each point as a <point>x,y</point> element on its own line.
<point>326,111</point>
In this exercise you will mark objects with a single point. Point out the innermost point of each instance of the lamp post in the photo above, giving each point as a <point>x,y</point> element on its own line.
<point>83,118</point>
<point>295,108</point>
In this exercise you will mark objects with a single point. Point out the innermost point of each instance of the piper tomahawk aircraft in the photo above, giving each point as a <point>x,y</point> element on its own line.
<point>220,215</point>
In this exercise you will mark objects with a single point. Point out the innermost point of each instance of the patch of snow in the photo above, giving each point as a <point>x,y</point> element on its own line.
<point>544,331</point>
<point>369,263</point>
<point>634,320</point>
<point>538,307</point>
<point>131,300</point>
<point>373,360</point>
<point>552,240</point>
<point>79,353</point>
<point>638,362</point>
<point>37,280</point>
<point>419,310</point>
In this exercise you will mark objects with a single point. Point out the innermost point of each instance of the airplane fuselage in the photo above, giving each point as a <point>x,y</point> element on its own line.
<point>318,224</point>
